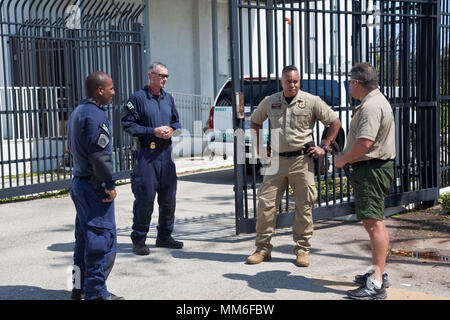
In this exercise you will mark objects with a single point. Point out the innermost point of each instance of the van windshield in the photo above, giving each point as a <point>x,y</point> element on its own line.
<point>256,90</point>
<point>326,89</point>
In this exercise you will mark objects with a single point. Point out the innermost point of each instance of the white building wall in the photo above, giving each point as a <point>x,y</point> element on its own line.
<point>223,29</point>
<point>171,41</point>
<point>181,37</point>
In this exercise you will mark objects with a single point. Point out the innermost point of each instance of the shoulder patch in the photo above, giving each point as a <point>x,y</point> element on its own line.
<point>105,128</point>
<point>130,106</point>
<point>102,140</point>
<point>301,103</point>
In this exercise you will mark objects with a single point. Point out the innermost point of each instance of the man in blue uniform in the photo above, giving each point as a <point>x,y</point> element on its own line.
<point>150,117</point>
<point>92,190</point>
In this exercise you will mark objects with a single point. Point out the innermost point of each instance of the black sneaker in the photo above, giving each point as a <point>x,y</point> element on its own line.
<point>362,278</point>
<point>169,243</point>
<point>368,292</point>
<point>140,249</point>
<point>77,294</point>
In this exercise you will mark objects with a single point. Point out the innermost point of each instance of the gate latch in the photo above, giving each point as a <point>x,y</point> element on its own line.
<point>240,109</point>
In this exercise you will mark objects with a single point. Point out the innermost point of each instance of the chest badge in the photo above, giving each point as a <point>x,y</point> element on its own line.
<point>152,145</point>
<point>301,104</point>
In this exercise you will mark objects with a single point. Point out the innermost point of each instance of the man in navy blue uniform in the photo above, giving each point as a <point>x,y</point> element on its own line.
<point>151,118</point>
<point>93,190</point>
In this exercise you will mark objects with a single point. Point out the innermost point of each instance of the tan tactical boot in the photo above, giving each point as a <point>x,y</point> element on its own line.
<point>258,257</point>
<point>302,259</point>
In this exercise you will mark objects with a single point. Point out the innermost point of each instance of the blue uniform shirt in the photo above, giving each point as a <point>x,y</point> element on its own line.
<point>144,112</point>
<point>90,140</point>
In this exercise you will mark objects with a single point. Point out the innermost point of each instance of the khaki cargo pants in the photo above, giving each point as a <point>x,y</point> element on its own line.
<point>298,172</point>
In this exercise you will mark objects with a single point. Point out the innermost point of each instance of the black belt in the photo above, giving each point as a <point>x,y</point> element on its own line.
<point>367,162</point>
<point>157,144</point>
<point>292,153</point>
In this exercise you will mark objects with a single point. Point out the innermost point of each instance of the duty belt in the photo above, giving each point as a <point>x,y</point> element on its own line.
<point>159,144</point>
<point>292,153</point>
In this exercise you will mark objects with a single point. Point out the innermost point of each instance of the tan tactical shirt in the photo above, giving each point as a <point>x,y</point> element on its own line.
<point>373,120</point>
<point>293,123</point>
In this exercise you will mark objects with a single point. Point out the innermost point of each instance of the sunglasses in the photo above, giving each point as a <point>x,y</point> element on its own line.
<point>166,76</point>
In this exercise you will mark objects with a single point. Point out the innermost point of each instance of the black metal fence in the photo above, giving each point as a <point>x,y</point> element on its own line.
<point>444,92</point>
<point>47,48</point>
<point>407,42</point>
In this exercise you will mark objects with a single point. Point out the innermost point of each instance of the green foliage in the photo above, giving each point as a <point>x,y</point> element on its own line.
<point>330,195</point>
<point>444,200</point>
<point>444,118</point>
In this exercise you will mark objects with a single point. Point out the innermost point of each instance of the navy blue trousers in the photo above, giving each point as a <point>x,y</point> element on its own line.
<point>154,173</point>
<point>95,238</point>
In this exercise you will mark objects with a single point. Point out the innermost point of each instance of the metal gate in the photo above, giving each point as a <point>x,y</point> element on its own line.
<point>324,39</point>
<point>47,49</point>
<point>444,93</point>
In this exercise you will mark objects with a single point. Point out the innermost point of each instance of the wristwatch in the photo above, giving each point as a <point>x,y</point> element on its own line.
<point>327,150</point>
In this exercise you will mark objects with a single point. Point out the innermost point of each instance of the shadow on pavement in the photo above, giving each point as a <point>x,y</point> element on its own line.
<point>222,257</point>
<point>21,292</point>
<point>270,281</point>
<point>214,177</point>
<point>209,256</point>
<point>69,247</point>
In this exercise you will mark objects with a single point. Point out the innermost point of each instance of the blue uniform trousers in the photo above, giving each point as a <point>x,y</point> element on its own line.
<point>95,238</point>
<point>154,172</point>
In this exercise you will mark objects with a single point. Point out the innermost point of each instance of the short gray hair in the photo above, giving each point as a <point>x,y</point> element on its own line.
<point>366,74</point>
<point>155,65</point>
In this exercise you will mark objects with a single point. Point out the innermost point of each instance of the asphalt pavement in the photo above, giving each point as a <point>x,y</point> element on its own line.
<point>37,240</point>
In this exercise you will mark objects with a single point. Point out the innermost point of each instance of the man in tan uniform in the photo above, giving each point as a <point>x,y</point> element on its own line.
<point>292,115</point>
<point>370,149</point>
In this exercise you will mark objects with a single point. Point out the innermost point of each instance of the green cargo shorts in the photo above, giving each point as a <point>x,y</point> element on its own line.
<point>371,182</point>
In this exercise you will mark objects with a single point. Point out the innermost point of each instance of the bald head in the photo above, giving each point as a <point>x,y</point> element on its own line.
<point>94,81</point>
<point>99,88</point>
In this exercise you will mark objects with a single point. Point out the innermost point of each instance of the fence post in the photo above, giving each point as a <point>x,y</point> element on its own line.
<point>428,106</point>
<point>237,123</point>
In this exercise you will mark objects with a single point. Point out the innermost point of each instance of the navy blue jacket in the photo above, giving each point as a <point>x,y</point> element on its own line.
<point>144,112</point>
<point>90,143</point>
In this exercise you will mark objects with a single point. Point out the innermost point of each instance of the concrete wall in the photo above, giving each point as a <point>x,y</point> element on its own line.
<point>181,36</point>
<point>223,26</point>
<point>171,41</point>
